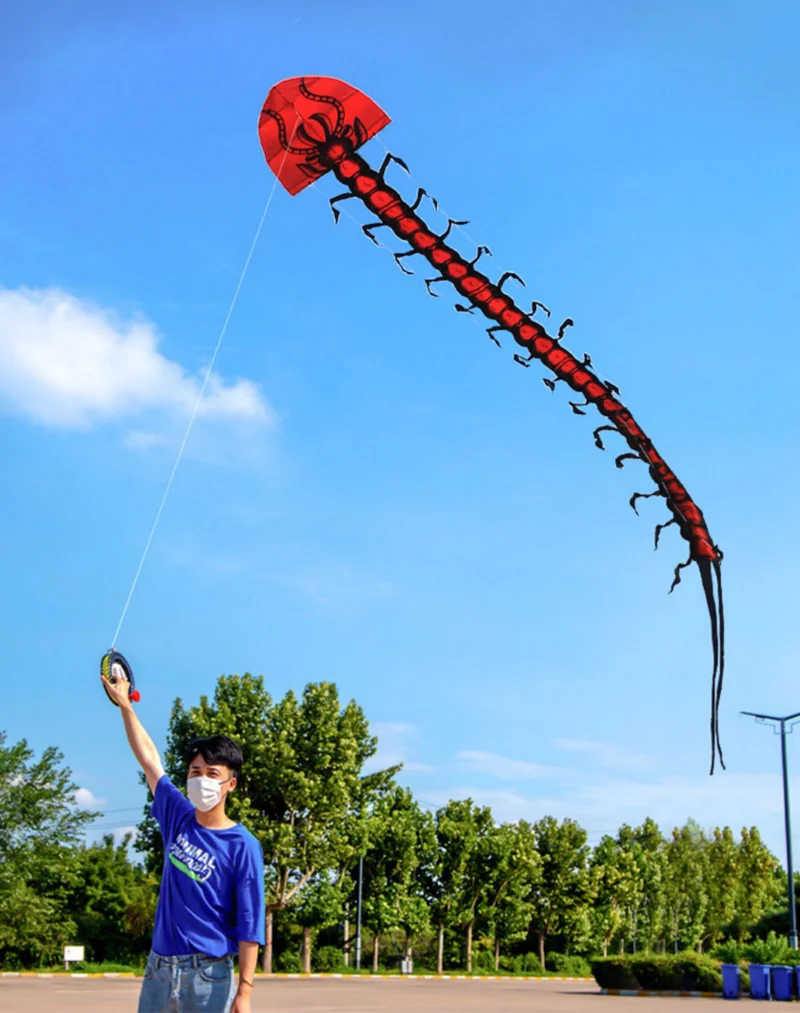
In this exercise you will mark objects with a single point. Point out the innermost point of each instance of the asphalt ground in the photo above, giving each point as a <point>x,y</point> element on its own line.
<point>348,995</point>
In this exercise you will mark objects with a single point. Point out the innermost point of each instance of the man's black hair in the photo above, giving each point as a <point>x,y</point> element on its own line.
<point>218,750</point>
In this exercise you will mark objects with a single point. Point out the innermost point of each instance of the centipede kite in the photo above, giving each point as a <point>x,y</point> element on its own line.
<point>314,125</point>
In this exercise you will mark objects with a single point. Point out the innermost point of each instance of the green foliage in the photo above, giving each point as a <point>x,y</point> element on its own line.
<point>772,950</point>
<point>301,792</point>
<point>40,827</point>
<point>656,971</point>
<point>526,963</point>
<point>727,952</point>
<point>400,837</point>
<point>328,959</point>
<point>687,971</point>
<point>614,972</point>
<point>565,883</point>
<point>289,962</point>
<point>454,888</point>
<point>113,901</point>
<point>570,966</point>
<point>699,972</point>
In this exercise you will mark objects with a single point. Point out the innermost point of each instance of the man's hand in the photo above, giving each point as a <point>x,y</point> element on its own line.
<point>241,1003</point>
<point>118,690</point>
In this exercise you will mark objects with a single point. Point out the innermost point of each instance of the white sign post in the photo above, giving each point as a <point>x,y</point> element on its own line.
<point>73,954</point>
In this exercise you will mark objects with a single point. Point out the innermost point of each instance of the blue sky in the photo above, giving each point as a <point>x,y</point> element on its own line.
<point>374,493</point>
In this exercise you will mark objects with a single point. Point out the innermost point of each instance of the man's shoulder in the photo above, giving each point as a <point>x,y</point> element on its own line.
<point>248,839</point>
<point>167,797</point>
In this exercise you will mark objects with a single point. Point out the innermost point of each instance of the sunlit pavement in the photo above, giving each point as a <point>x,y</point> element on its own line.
<point>348,995</point>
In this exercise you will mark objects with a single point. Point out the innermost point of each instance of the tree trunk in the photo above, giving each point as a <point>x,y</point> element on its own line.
<point>440,951</point>
<point>409,948</point>
<point>605,947</point>
<point>541,938</point>
<point>469,947</point>
<point>497,953</point>
<point>266,959</point>
<point>307,949</point>
<point>376,952</point>
<point>346,942</point>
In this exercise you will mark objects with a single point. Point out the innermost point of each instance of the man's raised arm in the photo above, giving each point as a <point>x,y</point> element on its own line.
<point>140,742</point>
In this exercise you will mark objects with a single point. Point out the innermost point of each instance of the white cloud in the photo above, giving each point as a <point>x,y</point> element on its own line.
<point>397,743</point>
<point>120,832</point>
<point>607,754</point>
<point>67,363</point>
<point>505,769</point>
<point>86,799</point>
<point>143,441</point>
<point>602,803</point>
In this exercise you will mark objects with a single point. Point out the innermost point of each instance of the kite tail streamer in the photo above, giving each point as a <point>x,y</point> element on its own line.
<point>331,120</point>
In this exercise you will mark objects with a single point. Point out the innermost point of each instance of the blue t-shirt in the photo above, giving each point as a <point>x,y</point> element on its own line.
<point>212,889</point>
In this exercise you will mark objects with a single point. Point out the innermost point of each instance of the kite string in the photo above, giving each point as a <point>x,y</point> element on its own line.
<point>196,408</point>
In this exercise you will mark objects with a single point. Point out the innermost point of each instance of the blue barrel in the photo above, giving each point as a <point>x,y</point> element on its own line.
<point>732,981</point>
<point>782,982</point>
<point>759,981</point>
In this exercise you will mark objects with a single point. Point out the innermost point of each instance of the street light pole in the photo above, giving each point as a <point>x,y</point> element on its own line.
<point>787,820</point>
<point>358,915</point>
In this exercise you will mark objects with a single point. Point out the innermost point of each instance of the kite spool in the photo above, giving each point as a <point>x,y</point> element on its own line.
<point>112,665</point>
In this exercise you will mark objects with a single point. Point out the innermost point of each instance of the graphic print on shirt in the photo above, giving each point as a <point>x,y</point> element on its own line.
<point>191,859</point>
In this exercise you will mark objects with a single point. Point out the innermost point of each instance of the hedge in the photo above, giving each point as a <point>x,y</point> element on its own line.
<point>687,971</point>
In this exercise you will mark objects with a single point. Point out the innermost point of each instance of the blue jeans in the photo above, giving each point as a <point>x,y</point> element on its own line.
<point>191,984</point>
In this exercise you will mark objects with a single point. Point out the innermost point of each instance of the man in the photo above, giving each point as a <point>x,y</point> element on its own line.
<point>211,902</point>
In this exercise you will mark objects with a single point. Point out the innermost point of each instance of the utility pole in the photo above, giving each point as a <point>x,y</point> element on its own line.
<point>791,720</point>
<point>358,915</point>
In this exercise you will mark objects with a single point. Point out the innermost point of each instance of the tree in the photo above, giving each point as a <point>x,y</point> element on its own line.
<point>40,826</point>
<point>319,905</point>
<point>760,883</point>
<point>685,895</point>
<point>613,872</point>
<point>113,901</point>
<point>400,835</point>
<point>445,872</point>
<point>301,783</point>
<point>648,850</point>
<point>481,846</point>
<point>722,873</point>
<point>565,883</point>
<point>510,868</point>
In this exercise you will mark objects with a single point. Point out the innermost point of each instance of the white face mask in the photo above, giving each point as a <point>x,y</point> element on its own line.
<point>204,792</point>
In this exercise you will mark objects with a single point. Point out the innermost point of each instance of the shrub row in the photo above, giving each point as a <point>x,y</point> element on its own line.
<point>686,971</point>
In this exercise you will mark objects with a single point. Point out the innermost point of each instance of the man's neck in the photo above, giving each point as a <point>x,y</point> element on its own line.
<point>214,819</point>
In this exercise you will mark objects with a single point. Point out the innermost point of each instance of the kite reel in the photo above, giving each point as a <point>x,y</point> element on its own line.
<point>114,660</point>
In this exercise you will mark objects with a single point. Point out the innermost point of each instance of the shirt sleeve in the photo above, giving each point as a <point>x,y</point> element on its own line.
<point>250,894</point>
<point>168,806</point>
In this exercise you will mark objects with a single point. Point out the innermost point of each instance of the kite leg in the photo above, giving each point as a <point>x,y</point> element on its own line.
<point>367,230</point>
<point>504,278</point>
<point>408,253</point>
<point>424,193</point>
<point>388,161</point>
<point>433,281</point>
<point>643,495</point>
<point>450,223</point>
<point>599,443</point>
<point>335,200</point>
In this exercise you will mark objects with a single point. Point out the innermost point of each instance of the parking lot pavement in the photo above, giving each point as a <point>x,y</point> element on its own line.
<point>351,995</point>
